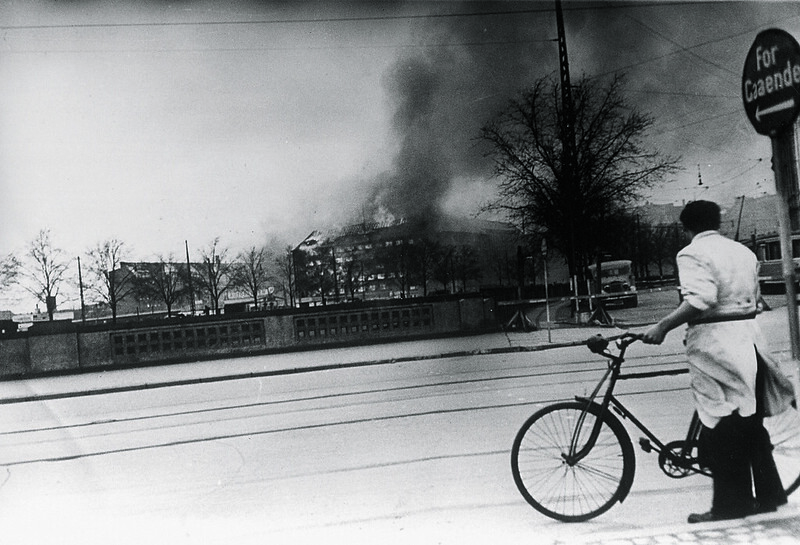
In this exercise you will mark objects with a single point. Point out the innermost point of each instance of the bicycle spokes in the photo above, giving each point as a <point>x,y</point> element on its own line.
<point>571,488</point>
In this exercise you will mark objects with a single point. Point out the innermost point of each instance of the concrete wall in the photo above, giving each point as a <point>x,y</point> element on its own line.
<point>14,356</point>
<point>75,347</point>
<point>56,352</point>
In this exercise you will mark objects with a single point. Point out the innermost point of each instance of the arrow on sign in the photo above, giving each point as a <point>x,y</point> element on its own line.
<point>785,105</point>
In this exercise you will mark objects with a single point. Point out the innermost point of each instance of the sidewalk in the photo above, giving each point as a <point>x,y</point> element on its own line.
<point>294,362</point>
<point>781,528</point>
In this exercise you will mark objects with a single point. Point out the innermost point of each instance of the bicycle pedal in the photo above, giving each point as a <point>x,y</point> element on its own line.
<point>645,444</point>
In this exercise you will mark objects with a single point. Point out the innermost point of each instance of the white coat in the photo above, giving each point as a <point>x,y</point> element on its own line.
<point>719,277</point>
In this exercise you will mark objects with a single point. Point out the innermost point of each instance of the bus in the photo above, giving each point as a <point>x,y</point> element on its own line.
<point>768,251</point>
<point>617,283</point>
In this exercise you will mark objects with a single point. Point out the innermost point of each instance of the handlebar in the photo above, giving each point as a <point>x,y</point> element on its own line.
<point>599,344</point>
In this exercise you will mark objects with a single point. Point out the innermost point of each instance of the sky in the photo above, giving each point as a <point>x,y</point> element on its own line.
<point>165,124</point>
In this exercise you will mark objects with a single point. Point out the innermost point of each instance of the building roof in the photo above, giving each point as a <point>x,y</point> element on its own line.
<point>405,227</point>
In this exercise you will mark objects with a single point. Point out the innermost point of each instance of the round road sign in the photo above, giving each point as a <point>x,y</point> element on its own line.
<point>771,81</point>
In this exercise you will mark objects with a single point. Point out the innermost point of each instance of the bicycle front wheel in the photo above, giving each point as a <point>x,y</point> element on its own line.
<point>572,492</point>
<point>784,433</point>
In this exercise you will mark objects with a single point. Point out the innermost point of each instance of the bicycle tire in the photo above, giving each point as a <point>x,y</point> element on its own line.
<point>784,432</point>
<point>584,490</point>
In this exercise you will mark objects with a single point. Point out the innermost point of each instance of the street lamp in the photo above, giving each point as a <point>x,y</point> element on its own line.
<point>546,290</point>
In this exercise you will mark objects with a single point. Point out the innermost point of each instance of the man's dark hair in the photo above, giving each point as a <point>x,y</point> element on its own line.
<point>699,216</point>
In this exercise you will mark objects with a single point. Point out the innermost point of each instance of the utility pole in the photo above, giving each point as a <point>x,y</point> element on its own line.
<point>335,275</point>
<point>566,87</point>
<point>80,283</point>
<point>568,137</point>
<point>189,277</point>
<point>739,220</point>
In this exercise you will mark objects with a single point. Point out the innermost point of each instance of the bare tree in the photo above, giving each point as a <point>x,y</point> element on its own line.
<point>107,279</point>
<point>285,275</point>
<point>44,270</point>
<point>466,266</point>
<point>352,271</point>
<point>9,270</point>
<point>394,260</point>
<point>164,281</point>
<point>498,261</point>
<point>444,268</point>
<point>425,255</point>
<point>315,268</point>
<point>213,273</point>
<point>662,243</point>
<point>566,177</point>
<point>250,272</point>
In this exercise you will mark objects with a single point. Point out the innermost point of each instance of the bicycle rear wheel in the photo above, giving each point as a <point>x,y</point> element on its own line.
<point>784,432</point>
<point>581,491</point>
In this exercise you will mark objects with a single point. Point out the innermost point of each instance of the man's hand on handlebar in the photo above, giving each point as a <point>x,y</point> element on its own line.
<point>654,335</point>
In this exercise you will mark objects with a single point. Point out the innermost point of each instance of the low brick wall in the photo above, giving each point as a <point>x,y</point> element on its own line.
<point>75,347</point>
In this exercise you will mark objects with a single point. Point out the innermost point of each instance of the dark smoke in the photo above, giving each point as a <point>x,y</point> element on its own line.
<point>443,94</point>
<point>421,174</point>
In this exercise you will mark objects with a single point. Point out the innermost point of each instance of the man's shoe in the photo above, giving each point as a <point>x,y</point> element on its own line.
<point>765,508</point>
<point>694,518</point>
<point>769,506</point>
<point>711,516</point>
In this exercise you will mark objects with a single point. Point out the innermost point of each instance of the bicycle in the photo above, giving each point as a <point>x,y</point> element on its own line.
<point>574,460</point>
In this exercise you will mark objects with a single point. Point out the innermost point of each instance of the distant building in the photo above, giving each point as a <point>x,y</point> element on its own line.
<point>749,216</point>
<point>404,258</point>
<point>146,286</point>
<point>759,217</point>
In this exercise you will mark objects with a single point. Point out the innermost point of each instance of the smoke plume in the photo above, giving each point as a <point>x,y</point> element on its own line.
<point>445,92</point>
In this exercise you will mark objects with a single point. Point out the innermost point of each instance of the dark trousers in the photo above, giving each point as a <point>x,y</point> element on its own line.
<point>738,451</point>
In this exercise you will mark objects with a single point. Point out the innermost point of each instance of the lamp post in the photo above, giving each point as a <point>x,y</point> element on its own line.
<point>546,290</point>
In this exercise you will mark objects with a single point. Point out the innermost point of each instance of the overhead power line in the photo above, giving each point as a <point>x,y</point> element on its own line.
<point>353,19</point>
<point>681,94</point>
<point>280,48</point>
<point>698,122</point>
<point>686,49</point>
<point>682,48</point>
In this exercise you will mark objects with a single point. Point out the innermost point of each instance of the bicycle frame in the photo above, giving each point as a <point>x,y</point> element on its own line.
<point>612,375</point>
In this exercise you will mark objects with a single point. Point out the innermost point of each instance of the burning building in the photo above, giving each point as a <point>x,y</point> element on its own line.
<point>405,258</point>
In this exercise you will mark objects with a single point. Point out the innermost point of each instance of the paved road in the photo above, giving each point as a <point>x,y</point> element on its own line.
<point>381,443</point>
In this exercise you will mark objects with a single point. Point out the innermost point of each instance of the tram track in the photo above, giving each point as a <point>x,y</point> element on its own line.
<point>488,385</point>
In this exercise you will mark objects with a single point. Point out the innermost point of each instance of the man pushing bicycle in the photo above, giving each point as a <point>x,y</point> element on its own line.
<point>720,293</point>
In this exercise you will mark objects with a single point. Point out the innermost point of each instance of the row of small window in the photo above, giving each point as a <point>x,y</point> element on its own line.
<point>166,340</point>
<point>363,322</point>
<point>772,250</point>
<point>386,243</point>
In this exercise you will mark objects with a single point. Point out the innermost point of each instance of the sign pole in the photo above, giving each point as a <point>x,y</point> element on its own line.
<point>784,166</point>
<point>770,81</point>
